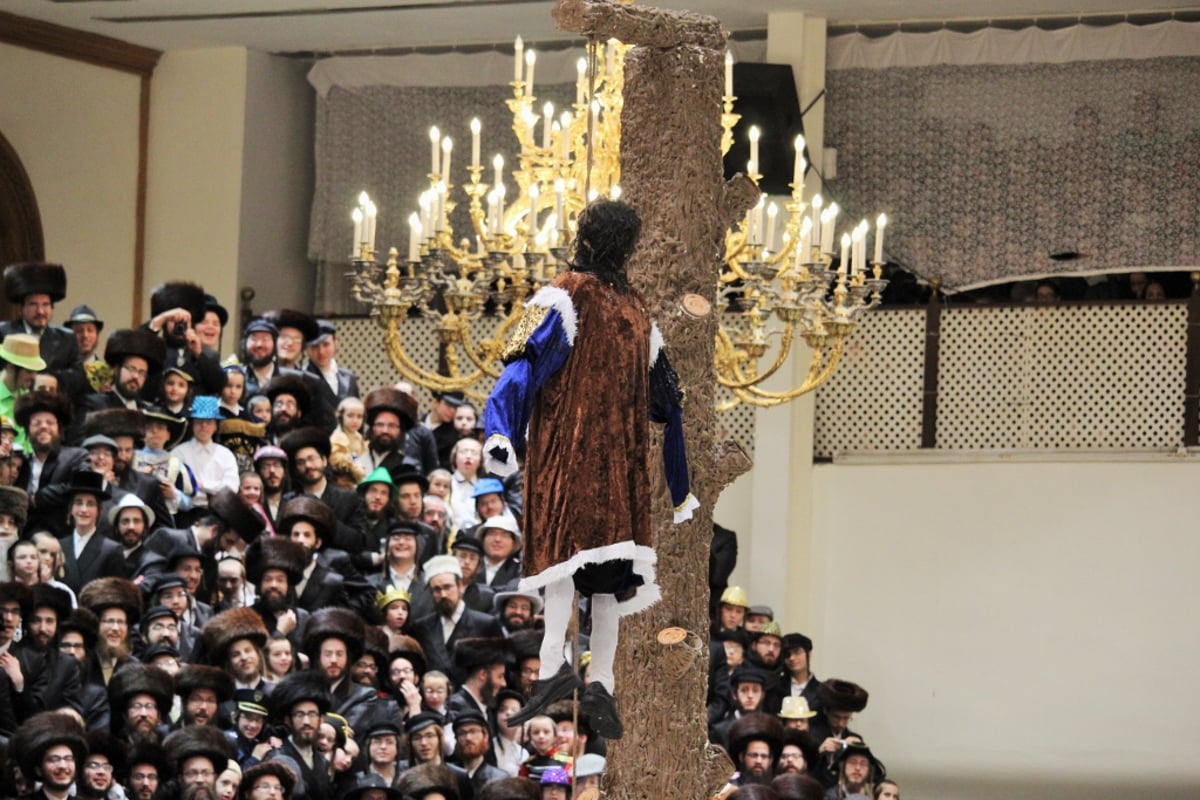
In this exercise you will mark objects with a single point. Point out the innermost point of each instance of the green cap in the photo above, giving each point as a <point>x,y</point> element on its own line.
<point>378,475</point>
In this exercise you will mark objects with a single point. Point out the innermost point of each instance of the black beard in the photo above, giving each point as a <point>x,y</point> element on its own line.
<point>262,361</point>
<point>750,777</point>
<point>276,604</point>
<point>143,737</point>
<point>278,427</point>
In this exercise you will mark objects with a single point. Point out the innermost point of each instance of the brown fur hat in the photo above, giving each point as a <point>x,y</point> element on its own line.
<point>292,384</point>
<point>297,440</point>
<point>135,342</point>
<point>19,593</point>
<point>481,651</point>
<point>275,552</point>
<point>525,643</point>
<point>114,422</point>
<point>133,679</point>
<point>300,687</point>
<point>375,644</point>
<point>755,727</point>
<point>198,741</point>
<point>34,277</point>
<point>291,318</point>
<point>103,593</point>
<point>84,623</point>
<point>409,648</point>
<point>42,731</point>
<point>400,403</point>
<point>281,771</point>
<point>839,695</point>
<point>305,507</point>
<point>334,623</point>
<point>426,778</point>
<point>511,789</point>
<point>199,676</point>
<point>15,503</point>
<point>233,511</point>
<point>57,404</point>
<point>179,294</point>
<point>220,632</point>
<point>102,743</point>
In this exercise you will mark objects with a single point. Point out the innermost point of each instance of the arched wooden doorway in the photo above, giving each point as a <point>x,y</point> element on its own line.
<point>20,222</point>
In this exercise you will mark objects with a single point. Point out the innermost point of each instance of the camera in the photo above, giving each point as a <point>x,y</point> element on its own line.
<point>179,330</point>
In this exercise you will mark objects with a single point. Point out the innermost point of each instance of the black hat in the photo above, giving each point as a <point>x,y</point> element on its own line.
<point>294,385</point>
<point>84,314</point>
<point>200,676</point>
<point>135,342</point>
<point>510,789</point>
<point>178,294</point>
<point>839,695</point>
<point>421,721</point>
<point>236,514</point>
<point>181,552</point>
<point>157,651</point>
<point>34,277</point>
<point>232,625</point>
<point>371,781</point>
<point>410,474</point>
<point>42,731</point>
<point>382,726</point>
<point>198,741</point>
<point>482,651</point>
<point>33,402</point>
<point>132,679</point>
<point>176,426</point>
<point>19,593</point>
<point>455,398</point>
<point>15,503</point>
<point>853,748</point>
<point>251,701</point>
<point>325,329</point>
<point>114,422</point>
<point>334,623</point>
<point>168,580</point>
<point>470,717</point>
<point>752,727</point>
<point>746,673</point>
<point>408,648</point>
<point>796,641</point>
<point>400,527</point>
<point>291,318</point>
<point>400,403</point>
<point>300,687</point>
<point>211,304</point>
<point>150,753</point>
<point>83,622</point>
<point>260,325</point>
<point>276,768</point>
<point>54,598</point>
<point>85,481</point>
<point>465,541</point>
<point>153,613</point>
<point>276,552</point>
<point>297,440</point>
<point>310,509</point>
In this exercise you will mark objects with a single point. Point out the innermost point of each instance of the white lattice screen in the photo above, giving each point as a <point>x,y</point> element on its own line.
<point>1037,378</point>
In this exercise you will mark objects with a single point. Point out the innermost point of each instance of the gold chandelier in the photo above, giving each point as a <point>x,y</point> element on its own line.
<point>475,285</point>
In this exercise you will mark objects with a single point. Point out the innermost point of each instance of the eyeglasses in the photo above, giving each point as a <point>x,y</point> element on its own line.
<point>136,371</point>
<point>306,714</point>
<point>10,612</point>
<point>67,759</point>
<point>116,623</point>
<point>424,737</point>
<point>100,765</point>
<point>144,776</point>
<point>142,707</point>
<point>69,646</point>
<point>270,788</point>
<point>199,774</point>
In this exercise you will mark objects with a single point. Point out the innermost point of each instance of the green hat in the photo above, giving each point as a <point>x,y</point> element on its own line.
<point>378,475</point>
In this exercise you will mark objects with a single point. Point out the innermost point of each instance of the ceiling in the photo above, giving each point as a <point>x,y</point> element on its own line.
<point>323,26</point>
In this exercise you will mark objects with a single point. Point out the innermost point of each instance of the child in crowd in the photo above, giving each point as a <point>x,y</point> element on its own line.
<point>435,691</point>
<point>250,489</point>
<point>465,456</point>
<point>280,659</point>
<point>176,478</point>
<point>348,448</point>
<point>176,394</point>
<point>508,744</point>
<point>544,753</point>
<point>439,483</point>
<point>258,408</point>
<point>465,419</point>
<point>235,389</point>
<point>249,736</point>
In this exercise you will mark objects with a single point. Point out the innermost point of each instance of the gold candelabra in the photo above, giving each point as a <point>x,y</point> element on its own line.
<point>771,288</point>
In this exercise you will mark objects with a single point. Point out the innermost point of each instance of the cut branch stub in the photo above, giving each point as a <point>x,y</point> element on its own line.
<point>653,27</point>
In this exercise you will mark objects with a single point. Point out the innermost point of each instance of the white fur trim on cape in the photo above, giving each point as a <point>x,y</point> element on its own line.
<point>656,343</point>
<point>557,299</point>
<point>684,512</point>
<point>501,469</point>
<point>643,558</point>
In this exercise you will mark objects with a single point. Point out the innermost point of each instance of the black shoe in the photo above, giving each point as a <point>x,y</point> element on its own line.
<point>600,708</point>
<point>544,693</point>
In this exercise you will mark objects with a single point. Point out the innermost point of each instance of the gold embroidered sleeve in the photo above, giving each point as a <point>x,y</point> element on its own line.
<point>529,322</point>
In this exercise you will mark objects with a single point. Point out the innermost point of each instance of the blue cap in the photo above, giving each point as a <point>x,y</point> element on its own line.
<point>488,486</point>
<point>206,407</point>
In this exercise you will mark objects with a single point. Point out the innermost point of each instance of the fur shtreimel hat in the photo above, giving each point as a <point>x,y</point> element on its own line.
<point>839,695</point>
<point>334,623</point>
<point>57,404</point>
<point>133,679</point>
<point>428,778</point>
<point>276,769</point>
<point>400,403</point>
<point>199,676</point>
<point>234,512</point>
<point>291,318</point>
<point>19,593</point>
<point>198,741</point>
<point>300,687</point>
<point>375,645</point>
<point>481,651</point>
<point>135,342</point>
<point>34,277</point>
<point>305,507</point>
<point>275,552</point>
<point>291,384</point>
<point>409,648</point>
<point>114,422</point>
<point>510,789</point>
<point>755,727</point>
<point>525,643</point>
<point>179,294</point>
<point>47,596</point>
<point>42,731</point>
<point>103,593</point>
<point>84,623</point>
<point>15,503</point>
<point>297,440</point>
<point>220,632</point>
<point>150,753</point>
<point>102,743</point>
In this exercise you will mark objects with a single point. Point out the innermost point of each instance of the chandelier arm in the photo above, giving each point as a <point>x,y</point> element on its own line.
<point>409,370</point>
<point>821,369</point>
<point>740,380</point>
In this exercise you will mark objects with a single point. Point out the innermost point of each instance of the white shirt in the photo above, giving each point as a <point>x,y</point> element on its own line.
<point>330,375</point>
<point>449,623</point>
<point>213,465</point>
<point>81,541</point>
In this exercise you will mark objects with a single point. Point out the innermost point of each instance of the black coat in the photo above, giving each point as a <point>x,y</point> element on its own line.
<point>347,385</point>
<point>314,781</point>
<point>322,414</point>
<point>324,588</point>
<point>420,449</point>
<point>351,514</point>
<point>439,654</point>
<point>48,506</point>
<point>100,558</point>
<point>63,685</point>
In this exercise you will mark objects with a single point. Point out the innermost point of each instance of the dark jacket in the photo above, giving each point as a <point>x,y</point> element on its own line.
<point>48,506</point>
<point>439,654</point>
<point>101,557</point>
<point>347,385</point>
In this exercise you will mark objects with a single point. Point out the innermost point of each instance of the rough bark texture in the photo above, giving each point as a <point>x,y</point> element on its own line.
<point>671,172</point>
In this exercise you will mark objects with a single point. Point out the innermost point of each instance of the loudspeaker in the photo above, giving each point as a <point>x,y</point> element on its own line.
<point>766,97</point>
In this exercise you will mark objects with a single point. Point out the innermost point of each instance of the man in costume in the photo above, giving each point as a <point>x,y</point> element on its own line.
<point>587,373</point>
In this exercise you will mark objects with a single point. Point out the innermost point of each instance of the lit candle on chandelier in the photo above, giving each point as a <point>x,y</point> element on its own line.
<point>845,254</point>
<point>772,212</point>
<point>880,224</point>
<point>440,214</point>
<point>798,173</point>
<point>518,62</point>
<point>728,73</point>
<point>476,127</point>
<point>414,238</point>
<point>817,202</point>
<point>530,60</point>
<point>357,216</point>
<point>560,194</point>
<point>859,244</point>
<point>828,221</point>
<point>369,225</point>
<point>547,124</point>
<point>447,146</point>
<point>566,135</point>
<point>498,163</point>
<point>435,141</point>
<point>581,81</point>
<point>533,198</point>
<point>755,133</point>
<point>500,191</point>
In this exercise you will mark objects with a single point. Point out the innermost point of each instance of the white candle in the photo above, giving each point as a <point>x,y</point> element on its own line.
<point>447,146</point>
<point>817,202</point>
<point>357,216</point>
<point>435,142</point>
<point>369,225</point>
<point>828,222</point>
<point>845,254</point>
<point>859,247</point>
<point>441,207</point>
<point>547,124</point>
<point>500,190</point>
<point>533,198</point>
<point>518,47</point>
<point>498,163</point>
<point>772,212</point>
<point>728,73</point>
<point>426,212</point>
<point>798,173</point>
<point>530,60</point>
<point>476,127</point>
<point>414,237</point>
<point>580,81</point>
<point>805,241</point>
<point>880,224</point>
<point>754,134</point>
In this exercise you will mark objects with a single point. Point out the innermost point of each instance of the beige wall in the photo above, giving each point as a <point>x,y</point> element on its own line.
<point>75,128</point>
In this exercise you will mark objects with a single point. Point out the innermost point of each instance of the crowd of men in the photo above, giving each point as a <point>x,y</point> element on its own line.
<point>167,631</point>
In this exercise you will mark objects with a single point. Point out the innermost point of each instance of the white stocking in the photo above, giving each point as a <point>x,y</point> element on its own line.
<point>604,640</point>
<point>560,602</point>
